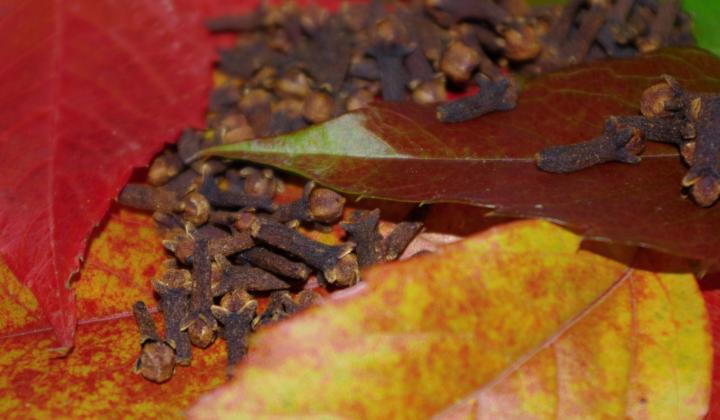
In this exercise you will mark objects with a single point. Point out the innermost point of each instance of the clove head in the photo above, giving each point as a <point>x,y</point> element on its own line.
<point>345,272</point>
<point>325,206</point>
<point>156,362</point>
<point>195,208</point>
<point>706,191</point>
<point>656,100</point>
<point>459,61</point>
<point>259,183</point>
<point>202,333</point>
<point>521,43</point>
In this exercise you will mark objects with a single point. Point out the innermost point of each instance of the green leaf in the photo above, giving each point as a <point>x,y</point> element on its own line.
<point>706,17</point>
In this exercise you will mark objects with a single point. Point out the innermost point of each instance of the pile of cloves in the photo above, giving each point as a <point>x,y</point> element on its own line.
<point>232,245</point>
<point>669,114</point>
<point>234,248</point>
<point>293,66</point>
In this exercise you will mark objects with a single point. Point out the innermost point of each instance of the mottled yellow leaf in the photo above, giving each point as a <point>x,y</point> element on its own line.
<point>516,322</point>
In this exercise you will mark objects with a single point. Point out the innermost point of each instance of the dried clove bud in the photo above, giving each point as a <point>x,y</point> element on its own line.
<point>389,52</point>
<point>319,106</point>
<point>429,92</point>
<point>617,144</point>
<point>577,48</point>
<point>219,198</point>
<point>280,306</point>
<point>246,278</point>
<point>195,208</point>
<point>157,358</point>
<point>174,290</point>
<point>521,42</point>
<point>199,323</point>
<point>493,96</point>
<point>319,205</point>
<point>294,83</point>
<point>260,183</point>
<point>306,299</point>
<point>363,231</point>
<point>459,61</point>
<point>185,182</point>
<point>703,110</point>
<point>337,264</point>
<point>184,247</point>
<point>234,128</point>
<point>364,68</point>
<point>164,168</point>
<point>275,263</point>
<point>451,11</point>
<point>147,197</point>
<point>236,312</point>
<point>189,145</point>
<point>359,99</point>
<point>371,247</point>
<point>661,26</point>
<point>395,243</point>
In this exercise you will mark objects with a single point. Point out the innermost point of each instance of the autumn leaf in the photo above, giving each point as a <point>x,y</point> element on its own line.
<point>92,90</point>
<point>516,321</point>
<point>400,151</point>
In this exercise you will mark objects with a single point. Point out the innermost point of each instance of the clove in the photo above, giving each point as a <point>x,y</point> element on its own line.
<point>229,199</point>
<point>199,323</point>
<point>389,52</point>
<point>280,306</point>
<point>617,144</point>
<point>174,289</point>
<point>157,357</point>
<point>236,312</point>
<point>337,264</point>
<point>493,96</point>
<point>275,263</point>
<point>246,278</point>
<point>319,205</point>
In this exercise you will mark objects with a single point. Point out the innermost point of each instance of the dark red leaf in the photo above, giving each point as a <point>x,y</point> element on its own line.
<point>400,151</point>
<point>89,89</point>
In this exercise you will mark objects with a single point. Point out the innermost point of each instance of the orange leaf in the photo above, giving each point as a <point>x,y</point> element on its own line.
<point>513,322</point>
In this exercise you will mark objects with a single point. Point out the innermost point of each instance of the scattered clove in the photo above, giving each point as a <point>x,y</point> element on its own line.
<point>275,263</point>
<point>199,322</point>
<point>389,52</point>
<point>236,312</point>
<point>363,231</point>
<point>174,289</point>
<point>280,306</point>
<point>337,263</point>
<point>493,96</point>
<point>396,241</point>
<point>371,247</point>
<point>157,357</point>
<point>245,277</point>
<point>615,145</point>
<point>228,199</point>
<point>318,205</point>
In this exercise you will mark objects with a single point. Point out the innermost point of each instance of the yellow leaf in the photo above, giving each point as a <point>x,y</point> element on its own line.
<point>516,322</point>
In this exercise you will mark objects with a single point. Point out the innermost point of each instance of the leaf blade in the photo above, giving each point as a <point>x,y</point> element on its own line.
<point>489,161</point>
<point>426,332</point>
<point>96,89</point>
